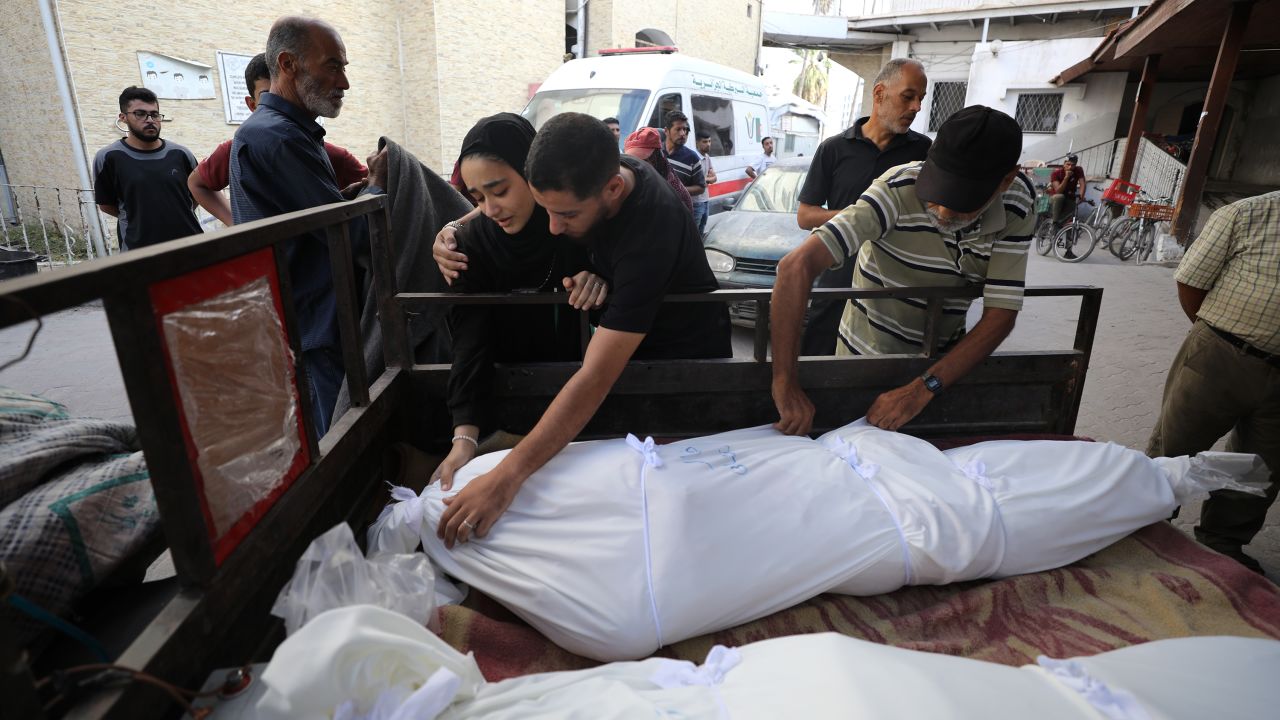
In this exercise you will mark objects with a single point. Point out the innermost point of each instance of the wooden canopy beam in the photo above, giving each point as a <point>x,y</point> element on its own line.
<point>1150,22</point>
<point>1139,120</point>
<point>1224,70</point>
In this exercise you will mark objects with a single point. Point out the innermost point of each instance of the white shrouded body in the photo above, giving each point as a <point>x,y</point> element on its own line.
<point>615,548</point>
<point>367,662</point>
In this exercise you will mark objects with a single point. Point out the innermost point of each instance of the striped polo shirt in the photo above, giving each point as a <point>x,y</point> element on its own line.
<point>896,245</point>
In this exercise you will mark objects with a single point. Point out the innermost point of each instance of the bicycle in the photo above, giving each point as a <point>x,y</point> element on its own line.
<point>1075,241</point>
<point>1139,236</point>
<point>1044,229</point>
<point>1108,218</point>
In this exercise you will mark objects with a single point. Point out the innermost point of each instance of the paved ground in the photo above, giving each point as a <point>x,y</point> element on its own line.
<point>1139,331</point>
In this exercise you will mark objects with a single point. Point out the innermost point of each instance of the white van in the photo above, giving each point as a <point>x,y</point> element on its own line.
<point>638,87</point>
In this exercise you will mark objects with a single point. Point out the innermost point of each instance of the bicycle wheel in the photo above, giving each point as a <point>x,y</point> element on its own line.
<point>1074,242</point>
<point>1146,242</point>
<point>1100,218</point>
<point>1114,231</point>
<point>1044,236</point>
<point>1125,245</point>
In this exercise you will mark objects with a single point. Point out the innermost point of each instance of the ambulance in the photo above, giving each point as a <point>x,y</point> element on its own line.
<point>639,86</point>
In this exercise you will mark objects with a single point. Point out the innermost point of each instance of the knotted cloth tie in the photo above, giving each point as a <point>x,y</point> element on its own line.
<point>976,470</point>
<point>649,452</point>
<point>400,522</point>
<point>682,673</point>
<point>1113,703</point>
<point>647,449</point>
<point>846,451</point>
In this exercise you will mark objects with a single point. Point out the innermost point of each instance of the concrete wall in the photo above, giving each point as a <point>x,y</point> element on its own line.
<point>720,31</point>
<point>422,71</point>
<point>1261,164</point>
<point>1090,109</point>
<point>34,137</point>
<point>195,31</point>
<point>485,67</point>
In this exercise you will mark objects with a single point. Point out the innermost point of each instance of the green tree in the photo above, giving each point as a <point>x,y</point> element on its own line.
<point>811,83</point>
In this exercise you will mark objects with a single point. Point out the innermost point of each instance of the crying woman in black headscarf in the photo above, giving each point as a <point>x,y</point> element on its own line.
<point>506,246</point>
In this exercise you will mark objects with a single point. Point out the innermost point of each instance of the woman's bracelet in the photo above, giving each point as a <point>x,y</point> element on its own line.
<point>455,224</point>
<point>468,438</point>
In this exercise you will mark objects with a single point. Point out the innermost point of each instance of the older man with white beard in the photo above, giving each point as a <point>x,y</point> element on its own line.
<point>961,217</point>
<point>279,165</point>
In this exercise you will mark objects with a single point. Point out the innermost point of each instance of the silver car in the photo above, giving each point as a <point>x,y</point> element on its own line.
<point>744,245</point>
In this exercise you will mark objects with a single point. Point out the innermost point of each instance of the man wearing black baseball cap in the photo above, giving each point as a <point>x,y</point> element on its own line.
<point>961,217</point>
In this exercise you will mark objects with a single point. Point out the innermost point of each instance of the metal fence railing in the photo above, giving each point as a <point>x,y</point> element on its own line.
<point>62,226</point>
<point>1099,161</point>
<point>1159,173</point>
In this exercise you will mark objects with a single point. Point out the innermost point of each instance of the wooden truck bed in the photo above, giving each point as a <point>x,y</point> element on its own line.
<point>1154,584</point>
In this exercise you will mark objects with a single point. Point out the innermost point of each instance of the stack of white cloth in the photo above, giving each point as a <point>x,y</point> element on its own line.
<point>367,663</point>
<point>616,548</point>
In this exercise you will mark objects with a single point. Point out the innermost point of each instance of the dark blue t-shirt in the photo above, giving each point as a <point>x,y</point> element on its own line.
<point>148,189</point>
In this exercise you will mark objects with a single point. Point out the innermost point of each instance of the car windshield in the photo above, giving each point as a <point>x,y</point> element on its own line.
<point>777,190</point>
<point>626,105</point>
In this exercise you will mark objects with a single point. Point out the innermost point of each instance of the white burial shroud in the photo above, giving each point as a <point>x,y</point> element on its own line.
<point>616,548</point>
<point>370,663</point>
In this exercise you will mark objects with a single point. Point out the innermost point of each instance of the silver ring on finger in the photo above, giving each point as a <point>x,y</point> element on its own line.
<point>468,525</point>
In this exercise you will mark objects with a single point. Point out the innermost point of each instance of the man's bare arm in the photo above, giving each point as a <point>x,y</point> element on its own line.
<point>486,497</point>
<point>111,210</point>
<point>695,190</point>
<point>1191,298</point>
<point>796,273</point>
<point>208,198</point>
<point>812,216</point>
<point>893,409</point>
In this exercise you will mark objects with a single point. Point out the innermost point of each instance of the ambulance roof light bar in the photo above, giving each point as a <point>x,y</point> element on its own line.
<point>655,49</point>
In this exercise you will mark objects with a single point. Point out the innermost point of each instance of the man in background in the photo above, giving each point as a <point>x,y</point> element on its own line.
<point>702,203</point>
<point>1225,378</point>
<point>765,159</point>
<point>1066,186</point>
<point>141,180</point>
<point>279,165</point>
<point>212,174</point>
<point>685,163</point>
<point>615,126</point>
<point>843,168</point>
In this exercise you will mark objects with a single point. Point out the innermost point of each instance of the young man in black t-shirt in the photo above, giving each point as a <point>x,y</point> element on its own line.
<point>142,180</point>
<point>646,246</point>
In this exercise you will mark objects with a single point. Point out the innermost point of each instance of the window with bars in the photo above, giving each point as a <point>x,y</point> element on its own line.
<point>948,97</point>
<point>1038,112</point>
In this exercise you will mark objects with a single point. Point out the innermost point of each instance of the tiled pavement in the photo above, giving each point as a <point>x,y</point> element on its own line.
<point>1139,330</point>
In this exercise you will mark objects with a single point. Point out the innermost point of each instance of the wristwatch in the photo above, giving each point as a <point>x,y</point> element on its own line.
<point>932,383</point>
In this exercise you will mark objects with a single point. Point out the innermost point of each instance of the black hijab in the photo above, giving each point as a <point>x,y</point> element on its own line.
<point>533,257</point>
<point>506,136</point>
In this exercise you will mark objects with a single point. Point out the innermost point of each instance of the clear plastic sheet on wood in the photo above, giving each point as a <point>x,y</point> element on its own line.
<point>235,380</point>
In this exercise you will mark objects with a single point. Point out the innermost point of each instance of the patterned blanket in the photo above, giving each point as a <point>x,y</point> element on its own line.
<point>75,502</point>
<point>1154,584</point>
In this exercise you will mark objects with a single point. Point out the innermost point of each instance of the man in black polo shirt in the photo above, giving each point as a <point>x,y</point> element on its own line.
<point>135,179</point>
<point>843,168</point>
<point>646,246</point>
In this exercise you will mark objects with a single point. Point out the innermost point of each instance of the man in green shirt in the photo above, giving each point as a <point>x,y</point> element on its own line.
<point>961,217</point>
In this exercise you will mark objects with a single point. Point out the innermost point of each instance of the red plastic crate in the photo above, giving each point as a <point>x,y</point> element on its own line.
<point>1121,192</point>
